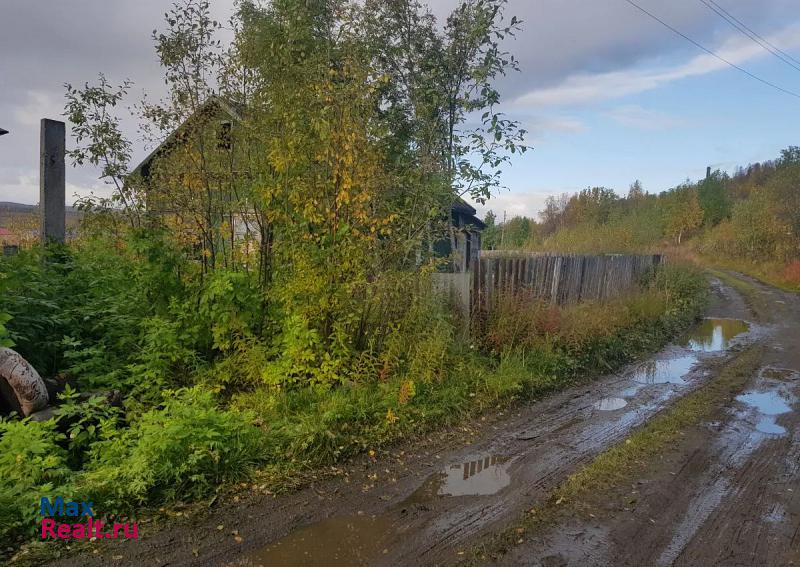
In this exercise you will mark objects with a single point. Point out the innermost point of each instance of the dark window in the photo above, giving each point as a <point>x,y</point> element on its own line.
<point>442,248</point>
<point>224,136</point>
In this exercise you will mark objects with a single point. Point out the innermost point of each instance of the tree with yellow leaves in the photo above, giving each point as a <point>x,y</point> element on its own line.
<point>684,213</point>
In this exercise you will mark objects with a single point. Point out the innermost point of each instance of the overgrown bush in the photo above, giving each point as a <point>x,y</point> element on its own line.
<point>32,464</point>
<point>594,335</point>
<point>183,450</point>
<point>5,339</point>
<point>85,422</point>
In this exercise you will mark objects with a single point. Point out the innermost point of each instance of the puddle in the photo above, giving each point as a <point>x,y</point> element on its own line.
<point>769,405</point>
<point>669,371</point>
<point>776,516</point>
<point>473,477</point>
<point>479,477</point>
<point>714,335</point>
<point>354,540</point>
<point>359,540</point>
<point>770,427</point>
<point>610,404</point>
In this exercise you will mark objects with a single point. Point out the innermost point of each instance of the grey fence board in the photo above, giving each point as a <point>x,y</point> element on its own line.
<point>556,278</point>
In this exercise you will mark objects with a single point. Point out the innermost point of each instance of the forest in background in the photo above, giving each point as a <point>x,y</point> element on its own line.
<point>749,221</point>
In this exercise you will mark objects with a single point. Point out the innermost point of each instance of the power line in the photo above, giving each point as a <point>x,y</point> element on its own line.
<point>693,42</point>
<point>750,34</point>
<point>773,46</point>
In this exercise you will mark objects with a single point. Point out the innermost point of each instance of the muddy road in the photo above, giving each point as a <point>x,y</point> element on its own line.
<point>727,495</point>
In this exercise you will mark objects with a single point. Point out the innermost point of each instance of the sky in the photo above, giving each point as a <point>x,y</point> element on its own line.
<point>607,94</point>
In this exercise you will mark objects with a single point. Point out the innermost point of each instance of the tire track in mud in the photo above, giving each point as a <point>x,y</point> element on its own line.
<point>757,516</point>
<point>727,495</point>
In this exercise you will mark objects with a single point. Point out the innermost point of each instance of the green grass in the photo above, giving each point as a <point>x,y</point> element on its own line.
<point>311,428</point>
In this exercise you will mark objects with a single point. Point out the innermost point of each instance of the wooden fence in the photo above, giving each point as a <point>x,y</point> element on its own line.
<point>559,279</point>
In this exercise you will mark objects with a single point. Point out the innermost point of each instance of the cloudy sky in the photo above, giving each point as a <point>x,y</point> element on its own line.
<point>608,95</point>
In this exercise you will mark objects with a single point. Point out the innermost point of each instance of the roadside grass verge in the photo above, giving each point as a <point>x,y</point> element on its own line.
<point>775,274</point>
<point>629,458</point>
<point>307,429</point>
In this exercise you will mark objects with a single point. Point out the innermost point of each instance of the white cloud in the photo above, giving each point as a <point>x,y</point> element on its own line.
<point>38,105</point>
<point>540,127</point>
<point>25,189</point>
<point>561,41</point>
<point>560,124</point>
<point>515,204</point>
<point>634,116</point>
<point>587,88</point>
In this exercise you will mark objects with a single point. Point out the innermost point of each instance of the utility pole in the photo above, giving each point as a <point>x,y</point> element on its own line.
<point>52,197</point>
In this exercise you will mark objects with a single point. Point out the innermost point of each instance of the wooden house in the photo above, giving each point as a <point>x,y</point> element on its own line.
<point>216,118</point>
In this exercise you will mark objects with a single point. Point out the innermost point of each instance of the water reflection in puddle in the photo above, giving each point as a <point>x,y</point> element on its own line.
<point>664,371</point>
<point>478,477</point>
<point>714,335</point>
<point>358,540</point>
<point>769,405</point>
<point>769,426</point>
<point>610,404</point>
<point>354,540</point>
<point>475,476</point>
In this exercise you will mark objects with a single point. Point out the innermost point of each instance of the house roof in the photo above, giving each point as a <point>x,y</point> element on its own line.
<point>464,208</point>
<point>213,103</point>
<point>5,232</point>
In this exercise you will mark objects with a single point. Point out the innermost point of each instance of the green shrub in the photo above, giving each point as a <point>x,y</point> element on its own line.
<point>30,292</point>
<point>32,465</point>
<point>5,338</point>
<point>86,422</point>
<point>684,288</point>
<point>185,450</point>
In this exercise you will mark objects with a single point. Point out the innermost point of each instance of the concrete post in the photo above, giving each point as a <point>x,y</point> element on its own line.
<point>52,197</point>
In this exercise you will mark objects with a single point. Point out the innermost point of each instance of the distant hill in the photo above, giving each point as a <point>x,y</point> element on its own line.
<point>10,210</point>
<point>8,206</point>
<point>23,208</point>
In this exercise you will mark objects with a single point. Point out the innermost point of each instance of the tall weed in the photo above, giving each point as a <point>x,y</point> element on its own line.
<point>32,465</point>
<point>183,450</point>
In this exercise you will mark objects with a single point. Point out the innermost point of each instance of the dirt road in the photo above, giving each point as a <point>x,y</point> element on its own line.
<point>727,495</point>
